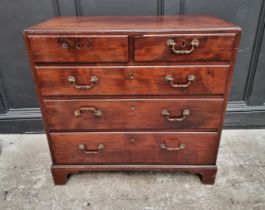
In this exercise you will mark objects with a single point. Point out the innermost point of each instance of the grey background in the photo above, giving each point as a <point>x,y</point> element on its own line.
<point>19,110</point>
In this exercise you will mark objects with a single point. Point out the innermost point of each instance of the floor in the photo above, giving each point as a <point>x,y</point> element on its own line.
<point>26,182</point>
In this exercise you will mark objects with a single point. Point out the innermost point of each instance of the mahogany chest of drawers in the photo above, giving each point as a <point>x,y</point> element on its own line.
<point>133,93</point>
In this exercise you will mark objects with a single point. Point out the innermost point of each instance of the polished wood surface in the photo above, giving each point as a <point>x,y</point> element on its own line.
<point>142,80</point>
<point>61,173</point>
<point>135,148</point>
<point>133,114</point>
<point>123,24</point>
<point>79,48</point>
<point>130,58</point>
<point>212,47</point>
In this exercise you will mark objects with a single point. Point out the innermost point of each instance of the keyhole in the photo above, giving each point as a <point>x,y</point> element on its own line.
<point>131,75</point>
<point>184,43</point>
<point>77,45</point>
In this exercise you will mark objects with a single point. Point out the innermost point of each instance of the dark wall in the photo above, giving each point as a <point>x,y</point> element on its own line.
<point>19,110</point>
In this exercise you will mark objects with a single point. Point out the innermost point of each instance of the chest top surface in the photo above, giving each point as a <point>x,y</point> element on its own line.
<point>132,24</point>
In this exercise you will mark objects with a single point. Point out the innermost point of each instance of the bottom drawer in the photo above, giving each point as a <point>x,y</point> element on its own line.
<point>135,148</point>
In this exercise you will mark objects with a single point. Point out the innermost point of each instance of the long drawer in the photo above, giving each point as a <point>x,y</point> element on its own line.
<point>78,48</point>
<point>161,80</point>
<point>133,113</point>
<point>134,148</point>
<point>184,47</point>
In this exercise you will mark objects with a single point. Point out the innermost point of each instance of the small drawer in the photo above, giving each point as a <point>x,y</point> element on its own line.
<point>84,114</point>
<point>79,48</point>
<point>190,47</point>
<point>135,148</point>
<point>163,80</point>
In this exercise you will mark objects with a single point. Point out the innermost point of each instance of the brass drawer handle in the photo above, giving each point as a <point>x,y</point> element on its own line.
<point>165,147</point>
<point>166,114</point>
<point>97,112</point>
<point>72,80</point>
<point>82,147</point>
<point>194,43</point>
<point>67,45</point>
<point>191,78</point>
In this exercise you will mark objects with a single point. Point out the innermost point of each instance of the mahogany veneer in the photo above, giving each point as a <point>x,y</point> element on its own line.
<point>212,47</point>
<point>133,147</point>
<point>132,113</point>
<point>115,80</point>
<point>133,93</point>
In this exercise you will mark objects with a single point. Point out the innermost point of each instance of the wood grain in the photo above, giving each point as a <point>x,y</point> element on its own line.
<point>135,148</point>
<point>81,48</point>
<point>116,80</point>
<point>212,47</point>
<point>127,24</point>
<point>61,173</point>
<point>133,114</point>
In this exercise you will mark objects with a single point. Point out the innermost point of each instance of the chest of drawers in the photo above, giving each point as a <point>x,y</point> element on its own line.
<point>133,93</point>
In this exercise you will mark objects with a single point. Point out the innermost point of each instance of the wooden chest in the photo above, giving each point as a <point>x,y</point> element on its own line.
<point>133,93</point>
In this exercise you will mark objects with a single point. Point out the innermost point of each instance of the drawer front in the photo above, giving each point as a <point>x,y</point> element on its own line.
<point>179,80</point>
<point>133,114</point>
<point>79,48</point>
<point>134,148</point>
<point>202,47</point>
